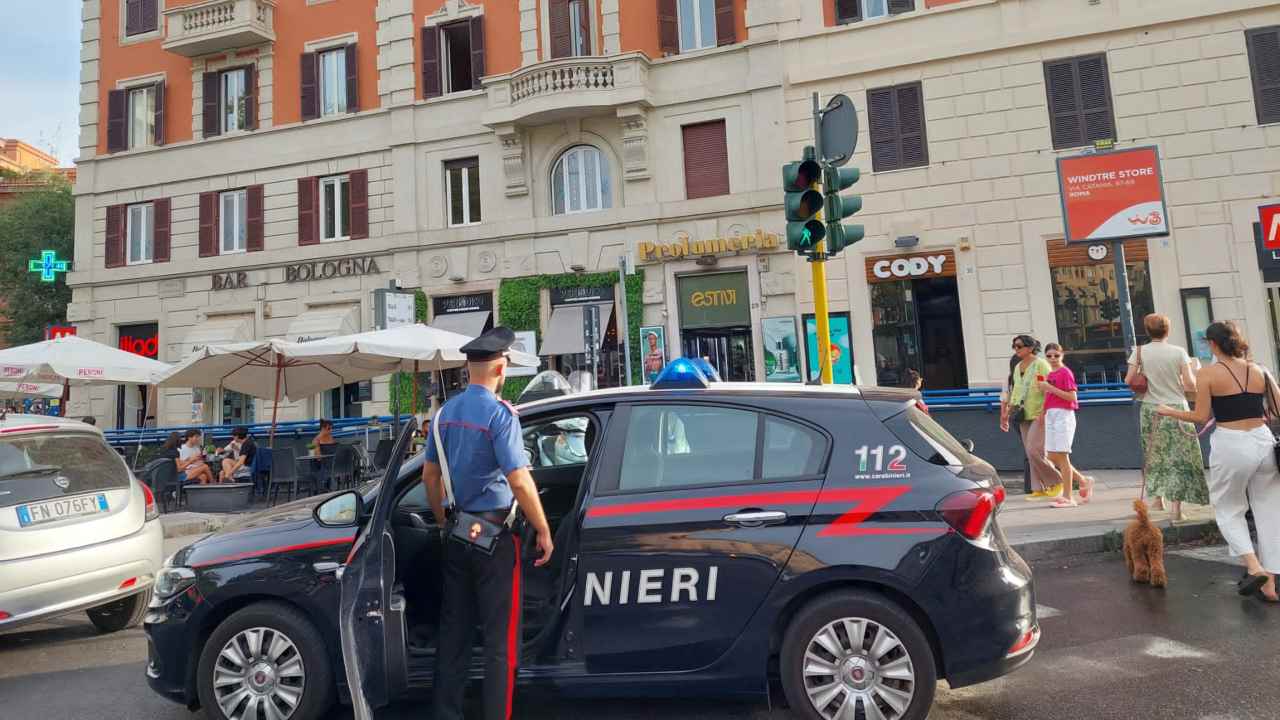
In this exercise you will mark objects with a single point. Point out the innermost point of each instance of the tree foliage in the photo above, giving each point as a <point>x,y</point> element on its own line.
<point>39,220</point>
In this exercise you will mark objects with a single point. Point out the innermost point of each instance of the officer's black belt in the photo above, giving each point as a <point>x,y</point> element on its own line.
<point>497,517</point>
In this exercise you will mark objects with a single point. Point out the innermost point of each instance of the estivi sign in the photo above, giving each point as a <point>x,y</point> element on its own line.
<point>1269,217</point>
<point>1113,195</point>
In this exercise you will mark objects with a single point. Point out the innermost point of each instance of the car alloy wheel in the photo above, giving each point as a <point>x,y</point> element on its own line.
<point>854,663</point>
<point>259,675</point>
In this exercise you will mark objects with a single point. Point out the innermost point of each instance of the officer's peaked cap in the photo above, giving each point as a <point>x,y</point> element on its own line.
<point>490,345</point>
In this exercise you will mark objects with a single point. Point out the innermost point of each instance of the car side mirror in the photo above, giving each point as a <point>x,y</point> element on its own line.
<point>343,510</point>
<point>967,444</point>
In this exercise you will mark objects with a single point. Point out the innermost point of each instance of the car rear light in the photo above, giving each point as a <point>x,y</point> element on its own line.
<point>1026,643</point>
<point>1000,494</point>
<point>969,511</point>
<point>153,512</point>
<point>4,615</point>
<point>128,583</point>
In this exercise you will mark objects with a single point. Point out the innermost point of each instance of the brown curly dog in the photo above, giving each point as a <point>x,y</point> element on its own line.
<point>1144,549</point>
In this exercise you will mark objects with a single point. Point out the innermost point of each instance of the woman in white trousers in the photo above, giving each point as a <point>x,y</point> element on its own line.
<point>1242,464</point>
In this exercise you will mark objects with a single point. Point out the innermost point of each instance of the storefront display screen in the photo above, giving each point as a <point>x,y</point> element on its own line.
<point>1197,312</point>
<point>781,350</point>
<point>841,350</point>
<point>653,343</point>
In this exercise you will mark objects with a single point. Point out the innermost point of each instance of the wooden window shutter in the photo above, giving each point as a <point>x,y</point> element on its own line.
<point>132,17</point>
<point>477,51</point>
<point>848,11</point>
<point>208,224</point>
<point>160,230</point>
<point>897,7</point>
<point>882,123</point>
<point>668,27</point>
<point>1095,99</point>
<point>726,29</point>
<point>353,79</point>
<point>1079,98</point>
<point>116,111</point>
<point>308,227</point>
<point>706,160</point>
<point>358,182</point>
<point>150,16</point>
<point>1264,66</point>
<point>911,132</point>
<point>432,83</point>
<point>211,105</point>
<point>115,236</point>
<point>159,126</point>
<point>309,92</point>
<point>561,31</point>
<point>251,97</point>
<point>255,217</point>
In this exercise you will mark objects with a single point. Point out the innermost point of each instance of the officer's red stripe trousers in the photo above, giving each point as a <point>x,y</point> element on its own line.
<point>513,628</point>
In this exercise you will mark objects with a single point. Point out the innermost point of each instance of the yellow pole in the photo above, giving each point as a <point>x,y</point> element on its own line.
<point>821,314</point>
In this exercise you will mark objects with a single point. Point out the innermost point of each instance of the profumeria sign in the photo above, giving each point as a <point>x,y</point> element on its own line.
<point>686,248</point>
<point>1113,195</point>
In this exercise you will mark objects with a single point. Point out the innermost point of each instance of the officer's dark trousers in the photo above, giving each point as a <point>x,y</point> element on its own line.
<point>483,589</point>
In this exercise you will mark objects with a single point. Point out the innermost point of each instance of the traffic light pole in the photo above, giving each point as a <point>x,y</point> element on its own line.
<point>1122,296</point>
<point>818,264</point>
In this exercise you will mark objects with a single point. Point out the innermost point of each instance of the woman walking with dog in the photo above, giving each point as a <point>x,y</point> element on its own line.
<point>1026,409</point>
<point>1242,456</point>
<point>1172,463</point>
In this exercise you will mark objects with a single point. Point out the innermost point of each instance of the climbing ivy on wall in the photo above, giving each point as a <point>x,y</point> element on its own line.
<point>519,308</point>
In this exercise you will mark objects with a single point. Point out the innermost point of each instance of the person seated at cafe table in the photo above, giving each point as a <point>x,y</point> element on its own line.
<point>238,465</point>
<point>323,439</point>
<point>191,459</point>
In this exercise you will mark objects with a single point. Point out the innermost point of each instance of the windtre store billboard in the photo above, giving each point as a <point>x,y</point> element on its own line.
<point>1113,195</point>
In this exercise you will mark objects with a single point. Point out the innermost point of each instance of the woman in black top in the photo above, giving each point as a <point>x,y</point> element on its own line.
<point>170,447</point>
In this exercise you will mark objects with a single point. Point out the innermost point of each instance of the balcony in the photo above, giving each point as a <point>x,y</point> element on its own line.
<point>567,87</point>
<point>218,25</point>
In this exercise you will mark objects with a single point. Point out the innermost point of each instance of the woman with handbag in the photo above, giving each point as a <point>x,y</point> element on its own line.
<point>1160,373</point>
<point>1025,410</point>
<point>1243,472</point>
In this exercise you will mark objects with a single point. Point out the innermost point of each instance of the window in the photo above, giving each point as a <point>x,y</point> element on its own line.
<point>697,24</point>
<point>557,443</point>
<point>141,16</point>
<point>140,233</point>
<point>791,450</point>
<point>580,181</point>
<point>453,56</point>
<point>579,28</point>
<point>570,27</point>
<point>233,218</point>
<point>706,160</point>
<point>234,100</point>
<point>1079,101</point>
<point>1264,66</point>
<point>335,208</point>
<point>142,116</point>
<point>462,191</point>
<point>457,57</point>
<point>896,119</point>
<point>671,446</point>
<point>848,11</point>
<point>333,82</point>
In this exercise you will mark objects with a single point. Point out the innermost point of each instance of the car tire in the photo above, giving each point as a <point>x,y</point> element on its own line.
<point>822,670</point>
<point>291,665</point>
<point>119,614</point>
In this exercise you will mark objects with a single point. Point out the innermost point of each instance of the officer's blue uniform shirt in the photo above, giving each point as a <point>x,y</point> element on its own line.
<point>484,444</point>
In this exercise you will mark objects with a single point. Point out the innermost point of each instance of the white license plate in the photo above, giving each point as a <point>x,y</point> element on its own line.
<point>53,510</point>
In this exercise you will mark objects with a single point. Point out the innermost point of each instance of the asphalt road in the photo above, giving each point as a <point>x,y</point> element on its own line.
<point>1111,649</point>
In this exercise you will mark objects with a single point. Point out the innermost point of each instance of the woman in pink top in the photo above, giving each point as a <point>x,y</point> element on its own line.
<point>1060,405</point>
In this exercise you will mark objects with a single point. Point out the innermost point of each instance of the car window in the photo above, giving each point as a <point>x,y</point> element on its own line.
<point>680,445</point>
<point>49,465</point>
<point>791,449</point>
<point>557,443</point>
<point>927,438</point>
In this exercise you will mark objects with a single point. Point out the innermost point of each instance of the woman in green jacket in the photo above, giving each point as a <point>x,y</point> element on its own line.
<point>1026,395</point>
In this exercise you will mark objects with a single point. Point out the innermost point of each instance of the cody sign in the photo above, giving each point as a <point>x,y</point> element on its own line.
<point>1113,195</point>
<point>887,268</point>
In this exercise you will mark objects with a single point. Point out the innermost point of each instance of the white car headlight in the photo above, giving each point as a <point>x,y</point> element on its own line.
<point>173,580</point>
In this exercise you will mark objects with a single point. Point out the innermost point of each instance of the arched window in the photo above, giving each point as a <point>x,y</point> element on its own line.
<point>580,181</point>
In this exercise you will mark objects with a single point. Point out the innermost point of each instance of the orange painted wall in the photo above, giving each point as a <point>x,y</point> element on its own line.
<point>639,21</point>
<point>501,35</point>
<point>118,62</point>
<point>298,23</point>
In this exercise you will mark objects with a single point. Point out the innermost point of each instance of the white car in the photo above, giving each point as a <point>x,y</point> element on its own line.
<point>77,530</point>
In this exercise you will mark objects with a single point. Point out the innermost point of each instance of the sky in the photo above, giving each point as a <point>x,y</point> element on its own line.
<point>40,74</point>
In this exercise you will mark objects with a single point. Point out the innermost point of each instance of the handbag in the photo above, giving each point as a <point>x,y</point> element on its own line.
<point>1138,383</point>
<point>1273,413</point>
<point>468,528</point>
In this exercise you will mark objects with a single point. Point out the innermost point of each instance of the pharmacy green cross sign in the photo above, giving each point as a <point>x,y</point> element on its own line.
<point>48,266</point>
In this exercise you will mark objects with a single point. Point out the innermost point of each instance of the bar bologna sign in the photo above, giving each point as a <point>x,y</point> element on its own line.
<point>1113,195</point>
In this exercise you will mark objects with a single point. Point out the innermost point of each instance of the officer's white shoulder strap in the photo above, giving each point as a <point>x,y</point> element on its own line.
<point>444,461</point>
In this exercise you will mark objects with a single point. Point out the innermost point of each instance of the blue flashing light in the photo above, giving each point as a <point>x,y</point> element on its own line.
<point>681,374</point>
<point>706,369</point>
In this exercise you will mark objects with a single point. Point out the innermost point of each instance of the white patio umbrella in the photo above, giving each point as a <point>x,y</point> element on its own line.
<point>19,390</point>
<point>74,361</point>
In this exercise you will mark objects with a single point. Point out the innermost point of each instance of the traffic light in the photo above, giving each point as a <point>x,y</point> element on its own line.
<point>802,202</point>
<point>837,207</point>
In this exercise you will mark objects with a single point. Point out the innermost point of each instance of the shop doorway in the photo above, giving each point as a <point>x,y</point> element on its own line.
<point>916,322</point>
<point>729,351</point>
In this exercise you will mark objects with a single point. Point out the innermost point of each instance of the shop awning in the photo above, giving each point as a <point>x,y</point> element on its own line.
<point>324,323</point>
<point>216,331</point>
<point>566,332</point>
<point>470,324</point>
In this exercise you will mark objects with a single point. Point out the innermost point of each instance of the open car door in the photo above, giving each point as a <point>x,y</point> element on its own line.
<point>370,620</point>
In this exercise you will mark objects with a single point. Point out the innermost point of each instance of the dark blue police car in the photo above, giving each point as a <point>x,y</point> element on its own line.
<point>710,538</point>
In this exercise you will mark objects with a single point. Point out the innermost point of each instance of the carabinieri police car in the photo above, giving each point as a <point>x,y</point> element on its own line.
<point>711,538</point>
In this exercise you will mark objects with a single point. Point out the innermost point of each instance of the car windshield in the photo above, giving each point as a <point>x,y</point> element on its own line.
<point>52,465</point>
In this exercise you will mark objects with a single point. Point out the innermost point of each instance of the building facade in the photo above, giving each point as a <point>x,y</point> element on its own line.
<point>258,168</point>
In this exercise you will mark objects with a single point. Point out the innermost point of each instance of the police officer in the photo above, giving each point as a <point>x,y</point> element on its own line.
<point>488,469</point>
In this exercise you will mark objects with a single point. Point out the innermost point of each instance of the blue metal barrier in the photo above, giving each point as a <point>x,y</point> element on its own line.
<point>1109,393</point>
<point>342,428</point>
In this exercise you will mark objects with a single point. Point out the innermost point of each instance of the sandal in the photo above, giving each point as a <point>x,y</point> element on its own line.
<point>1063,503</point>
<point>1251,584</point>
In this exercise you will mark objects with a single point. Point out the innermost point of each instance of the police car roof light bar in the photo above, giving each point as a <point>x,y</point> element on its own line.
<point>706,368</point>
<point>681,374</point>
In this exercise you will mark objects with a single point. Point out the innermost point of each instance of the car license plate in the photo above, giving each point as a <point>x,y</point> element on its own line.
<point>52,510</point>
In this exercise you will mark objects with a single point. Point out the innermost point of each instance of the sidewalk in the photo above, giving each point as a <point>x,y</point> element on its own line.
<point>1037,530</point>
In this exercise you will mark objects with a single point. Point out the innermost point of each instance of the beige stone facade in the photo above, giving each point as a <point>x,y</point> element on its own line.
<point>1179,76</point>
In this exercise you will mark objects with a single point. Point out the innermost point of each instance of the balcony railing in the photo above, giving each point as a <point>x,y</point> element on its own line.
<point>541,92</point>
<point>217,25</point>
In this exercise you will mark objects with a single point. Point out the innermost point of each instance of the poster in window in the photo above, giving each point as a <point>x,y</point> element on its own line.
<point>1197,310</point>
<point>526,342</point>
<point>781,350</point>
<point>653,341</point>
<point>841,350</point>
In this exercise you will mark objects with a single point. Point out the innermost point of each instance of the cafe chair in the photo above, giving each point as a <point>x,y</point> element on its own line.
<point>284,474</point>
<point>162,476</point>
<point>382,456</point>
<point>343,469</point>
<point>260,471</point>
